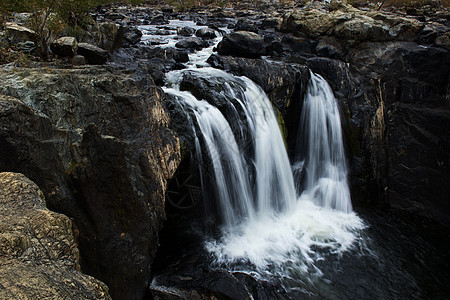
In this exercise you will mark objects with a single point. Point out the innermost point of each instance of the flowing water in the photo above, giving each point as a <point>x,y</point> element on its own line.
<point>290,225</point>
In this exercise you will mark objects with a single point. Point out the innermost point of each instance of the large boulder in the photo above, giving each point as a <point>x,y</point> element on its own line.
<point>243,44</point>
<point>93,54</point>
<point>95,139</point>
<point>39,257</point>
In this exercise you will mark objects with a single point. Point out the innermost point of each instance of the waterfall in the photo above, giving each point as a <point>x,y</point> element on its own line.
<point>265,224</point>
<point>320,169</point>
<point>244,191</point>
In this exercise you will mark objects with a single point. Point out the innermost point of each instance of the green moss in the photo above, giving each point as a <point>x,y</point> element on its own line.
<point>281,125</point>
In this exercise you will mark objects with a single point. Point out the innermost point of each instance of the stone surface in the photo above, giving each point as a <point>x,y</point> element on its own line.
<point>243,44</point>
<point>95,139</point>
<point>93,54</point>
<point>193,43</point>
<point>39,257</point>
<point>65,46</point>
<point>19,34</point>
<point>206,33</point>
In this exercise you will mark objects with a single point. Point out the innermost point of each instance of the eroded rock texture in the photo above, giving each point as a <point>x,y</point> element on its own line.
<point>39,257</point>
<point>96,141</point>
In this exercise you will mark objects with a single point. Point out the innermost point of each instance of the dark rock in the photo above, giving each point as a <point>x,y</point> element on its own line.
<point>242,44</point>
<point>186,31</point>
<point>206,33</point>
<point>131,36</point>
<point>64,47</point>
<point>192,43</point>
<point>330,47</point>
<point>246,25</point>
<point>107,177</point>
<point>93,54</point>
<point>160,20</point>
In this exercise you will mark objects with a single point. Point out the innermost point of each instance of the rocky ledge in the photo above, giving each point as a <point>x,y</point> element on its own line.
<point>39,257</point>
<point>96,141</point>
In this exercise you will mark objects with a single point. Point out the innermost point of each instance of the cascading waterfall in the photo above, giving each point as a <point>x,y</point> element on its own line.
<point>274,187</point>
<point>321,170</point>
<point>266,226</point>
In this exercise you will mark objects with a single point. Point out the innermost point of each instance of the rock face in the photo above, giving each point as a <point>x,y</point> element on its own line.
<point>39,257</point>
<point>95,139</point>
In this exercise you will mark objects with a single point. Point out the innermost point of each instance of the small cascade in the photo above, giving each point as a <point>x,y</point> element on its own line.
<point>320,168</point>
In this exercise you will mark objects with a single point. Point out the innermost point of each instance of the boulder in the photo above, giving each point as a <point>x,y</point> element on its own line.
<point>65,46</point>
<point>17,34</point>
<point>243,44</point>
<point>39,257</point>
<point>192,43</point>
<point>93,54</point>
<point>185,31</point>
<point>206,33</point>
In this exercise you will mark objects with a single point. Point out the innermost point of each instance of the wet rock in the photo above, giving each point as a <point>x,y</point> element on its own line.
<point>192,43</point>
<point>64,47</point>
<point>160,20</point>
<point>39,254</point>
<point>185,31</point>
<point>243,44</point>
<point>206,33</point>
<point>93,54</point>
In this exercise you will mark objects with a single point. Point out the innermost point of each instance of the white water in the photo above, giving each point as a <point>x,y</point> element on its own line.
<point>320,149</point>
<point>267,227</point>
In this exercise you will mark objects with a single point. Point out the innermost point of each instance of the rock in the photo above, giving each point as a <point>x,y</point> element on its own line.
<point>95,139</point>
<point>246,25</point>
<point>192,43</point>
<point>38,250</point>
<point>64,47</point>
<point>93,54</point>
<point>131,36</point>
<point>350,24</point>
<point>185,31</point>
<point>243,44</point>
<point>160,20</point>
<point>78,60</point>
<point>19,34</point>
<point>109,36</point>
<point>206,33</point>
<point>330,47</point>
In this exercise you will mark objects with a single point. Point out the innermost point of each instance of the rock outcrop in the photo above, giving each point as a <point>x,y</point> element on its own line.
<point>39,257</point>
<point>95,139</point>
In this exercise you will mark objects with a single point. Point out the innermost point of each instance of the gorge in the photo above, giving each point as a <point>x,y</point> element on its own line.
<point>236,111</point>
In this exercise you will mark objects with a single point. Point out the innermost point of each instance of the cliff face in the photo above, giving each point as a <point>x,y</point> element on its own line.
<point>39,257</point>
<point>95,140</point>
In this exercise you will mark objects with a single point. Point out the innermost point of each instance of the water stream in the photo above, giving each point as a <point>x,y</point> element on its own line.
<point>281,223</point>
